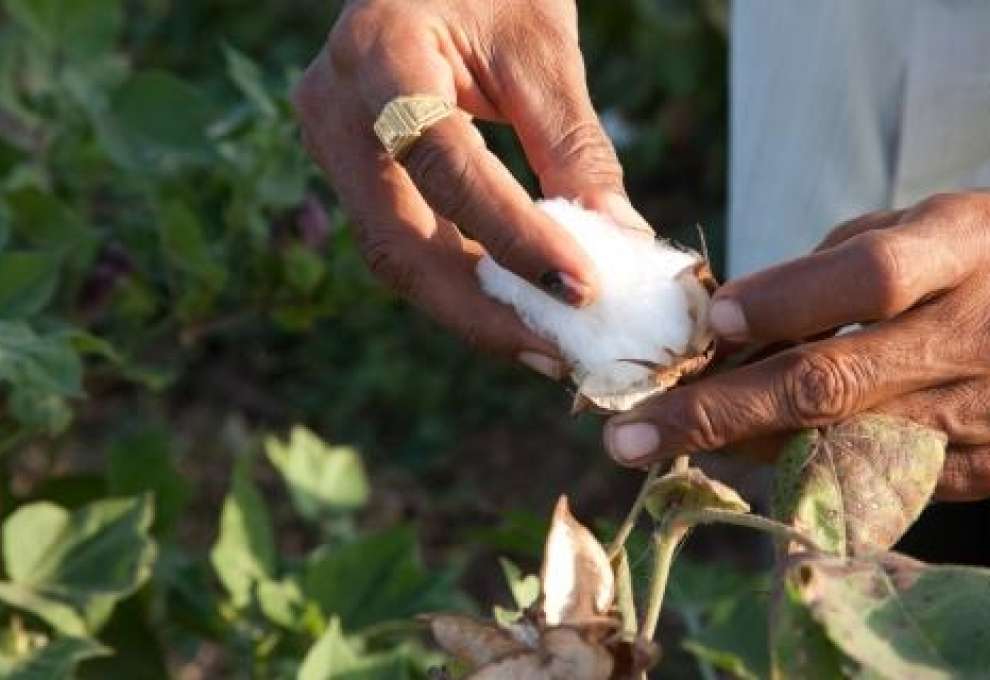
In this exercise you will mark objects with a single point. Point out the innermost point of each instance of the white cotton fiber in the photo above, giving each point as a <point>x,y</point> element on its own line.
<point>642,311</point>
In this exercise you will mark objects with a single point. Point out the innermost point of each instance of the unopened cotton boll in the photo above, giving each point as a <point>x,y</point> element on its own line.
<point>646,329</point>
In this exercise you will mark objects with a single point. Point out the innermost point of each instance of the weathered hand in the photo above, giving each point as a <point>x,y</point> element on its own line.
<point>515,61</point>
<point>920,281</point>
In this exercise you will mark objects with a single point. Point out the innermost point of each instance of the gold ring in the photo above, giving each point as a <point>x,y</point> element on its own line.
<point>404,119</point>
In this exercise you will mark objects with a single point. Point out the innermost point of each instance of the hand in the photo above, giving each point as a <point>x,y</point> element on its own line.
<point>514,61</point>
<point>919,278</point>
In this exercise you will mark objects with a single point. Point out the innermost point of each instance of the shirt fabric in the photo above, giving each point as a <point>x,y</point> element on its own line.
<point>840,107</point>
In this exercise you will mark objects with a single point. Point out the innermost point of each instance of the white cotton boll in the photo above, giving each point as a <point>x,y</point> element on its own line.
<point>650,309</point>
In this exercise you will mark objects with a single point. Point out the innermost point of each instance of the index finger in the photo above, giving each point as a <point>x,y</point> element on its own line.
<point>874,275</point>
<point>463,181</point>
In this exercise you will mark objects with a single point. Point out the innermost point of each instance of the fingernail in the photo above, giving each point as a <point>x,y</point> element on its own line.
<point>726,318</point>
<point>631,441</point>
<point>625,215</point>
<point>541,363</point>
<point>565,288</point>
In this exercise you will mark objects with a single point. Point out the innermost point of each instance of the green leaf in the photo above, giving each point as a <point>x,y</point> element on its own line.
<point>27,282</point>
<point>40,371</point>
<point>701,587</point>
<point>57,660</point>
<point>143,462</point>
<point>376,578</point>
<point>60,616</point>
<point>799,647</point>
<point>899,618</point>
<point>248,77</point>
<point>86,560</point>
<point>80,28</point>
<point>304,268</point>
<point>186,247</point>
<point>164,120</point>
<point>282,602</point>
<point>858,486</point>
<point>48,362</point>
<point>524,588</point>
<point>43,220</point>
<point>245,550</point>
<point>734,637</point>
<point>321,479</point>
<point>335,658</point>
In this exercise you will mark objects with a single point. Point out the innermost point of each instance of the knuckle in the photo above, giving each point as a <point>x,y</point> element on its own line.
<point>819,389</point>
<point>503,245</point>
<point>357,26</point>
<point>388,262</point>
<point>585,147</point>
<point>442,171</point>
<point>878,251</point>
<point>702,432</point>
<point>940,202</point>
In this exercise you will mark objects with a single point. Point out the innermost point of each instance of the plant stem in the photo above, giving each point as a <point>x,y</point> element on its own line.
<point>680,464</point>
<point>666,539</point>
<point>622,535</point>
<point>691,517</point>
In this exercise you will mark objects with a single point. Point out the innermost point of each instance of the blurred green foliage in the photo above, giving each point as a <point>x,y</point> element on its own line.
<point>167,249</point>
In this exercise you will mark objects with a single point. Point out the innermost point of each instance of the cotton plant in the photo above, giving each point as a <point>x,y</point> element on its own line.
<point>844,495</point>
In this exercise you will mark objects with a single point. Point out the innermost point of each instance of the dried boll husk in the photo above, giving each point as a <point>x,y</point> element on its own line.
<point>646,330</point>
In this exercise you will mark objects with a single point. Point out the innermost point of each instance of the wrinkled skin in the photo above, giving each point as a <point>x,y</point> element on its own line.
<point>510,61</point>
<point>920,279</point>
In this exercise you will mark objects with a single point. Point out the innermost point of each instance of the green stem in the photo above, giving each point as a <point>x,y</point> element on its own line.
<point>689,518</point>
<point>622,535</point>
<point>665,542</point>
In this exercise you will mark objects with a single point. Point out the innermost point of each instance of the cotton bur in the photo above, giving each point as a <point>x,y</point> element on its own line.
<point>647,328</point>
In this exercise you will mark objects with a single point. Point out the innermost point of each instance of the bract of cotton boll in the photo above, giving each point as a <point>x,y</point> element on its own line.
<point>648,326</point>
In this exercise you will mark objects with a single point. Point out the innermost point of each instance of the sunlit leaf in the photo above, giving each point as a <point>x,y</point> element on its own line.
<point>525,588</point>
<point>56,660</point>
<point>84,560</point>
<point>335,658</point>
<point>245,550</point>
<point>321,479</point>
<point>282,602</point>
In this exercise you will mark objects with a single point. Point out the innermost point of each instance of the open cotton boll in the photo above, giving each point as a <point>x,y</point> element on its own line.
<point>647,327</point>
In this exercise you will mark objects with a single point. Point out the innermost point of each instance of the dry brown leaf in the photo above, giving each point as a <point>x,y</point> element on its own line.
<point>564,655</point>
<point>471,640</point>
<point>578,585</point>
